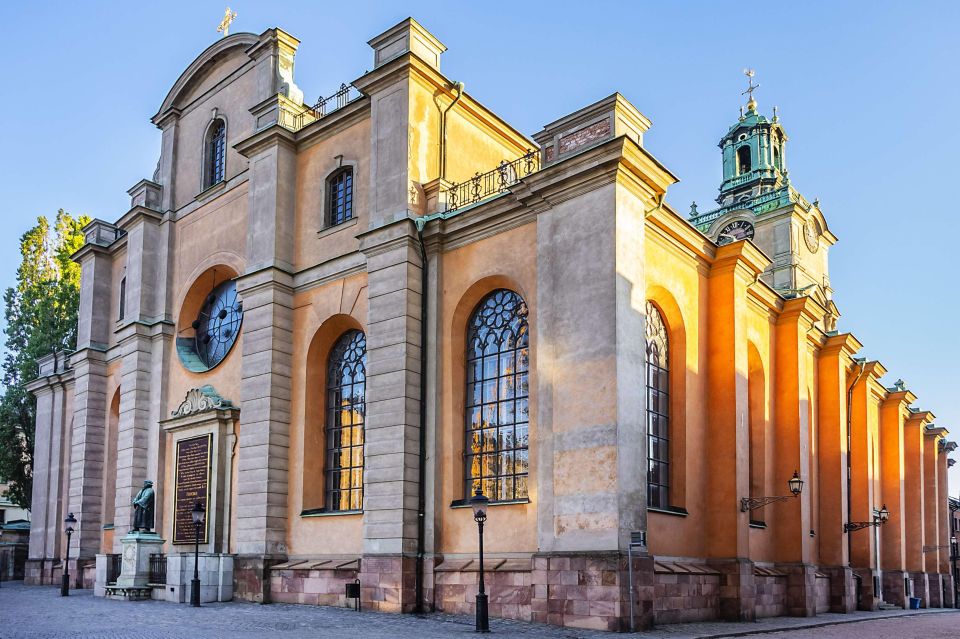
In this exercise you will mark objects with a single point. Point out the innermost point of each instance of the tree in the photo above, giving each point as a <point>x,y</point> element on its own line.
<point>41,313</point>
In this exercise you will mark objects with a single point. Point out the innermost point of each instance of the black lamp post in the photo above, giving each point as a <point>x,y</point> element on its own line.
<point>878,520</point>
<point>198,514</point>
<point>795,484</point>
<point>69,523</point>
<point>479,503</point>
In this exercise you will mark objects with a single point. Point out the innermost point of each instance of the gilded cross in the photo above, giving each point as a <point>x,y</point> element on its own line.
<point>224,26</point>
<point>751,87</point>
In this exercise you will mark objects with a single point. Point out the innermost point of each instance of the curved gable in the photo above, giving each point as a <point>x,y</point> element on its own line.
<point>199,70</point>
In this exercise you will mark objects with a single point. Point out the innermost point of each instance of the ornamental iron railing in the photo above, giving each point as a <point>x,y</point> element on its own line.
<point>346,94</point>
<point>498,180</point>
<point>158,569</point>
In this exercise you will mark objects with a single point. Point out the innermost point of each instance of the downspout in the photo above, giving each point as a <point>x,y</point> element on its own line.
<point>862,361</point>
<point>443,134</point>
<point>419,223</point>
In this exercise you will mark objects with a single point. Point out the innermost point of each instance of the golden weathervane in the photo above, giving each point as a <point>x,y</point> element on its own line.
<point>224,26</point>
<point>751,87</point>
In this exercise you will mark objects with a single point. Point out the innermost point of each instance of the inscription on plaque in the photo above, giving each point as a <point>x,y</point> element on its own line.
<point>192,485</point>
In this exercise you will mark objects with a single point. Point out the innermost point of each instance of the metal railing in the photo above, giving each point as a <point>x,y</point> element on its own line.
<point>114,563</point>
<point>498,180</point>
<point>158,569</point>
<point>322,107</point>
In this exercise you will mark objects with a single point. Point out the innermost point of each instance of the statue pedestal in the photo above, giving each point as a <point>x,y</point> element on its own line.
<point>134,579</point>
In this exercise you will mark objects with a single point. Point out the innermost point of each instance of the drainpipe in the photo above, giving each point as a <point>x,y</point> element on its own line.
<point>862,361</point>
<point>419,223</point>
<point>458,86</point>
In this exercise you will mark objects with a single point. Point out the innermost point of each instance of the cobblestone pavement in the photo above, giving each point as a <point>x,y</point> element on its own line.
<point>31,612</point>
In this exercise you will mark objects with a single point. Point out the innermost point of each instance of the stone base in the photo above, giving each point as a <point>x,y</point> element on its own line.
<point>738,590</point>
<point>867,595</point>
<point>894,588</point>
<point>252,577</point>
<point>843,596</point>
<point>135,565</point>
<point>921,588</point>
<point>317,582</point>
<point>935,590</point>
<point>128,594</point>
<point>801,599</point>
<point>388,583</point>
<point>216,572</point>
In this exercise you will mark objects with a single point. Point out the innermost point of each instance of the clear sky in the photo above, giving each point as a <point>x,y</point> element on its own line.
<point>868,93</point>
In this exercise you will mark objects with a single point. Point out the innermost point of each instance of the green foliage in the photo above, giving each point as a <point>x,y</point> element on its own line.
<point>41,314</point>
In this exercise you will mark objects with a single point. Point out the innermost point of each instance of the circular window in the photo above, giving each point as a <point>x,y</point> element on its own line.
<point>215,329</point>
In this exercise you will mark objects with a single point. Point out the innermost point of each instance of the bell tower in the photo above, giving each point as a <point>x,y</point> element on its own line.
<point>758,203</point>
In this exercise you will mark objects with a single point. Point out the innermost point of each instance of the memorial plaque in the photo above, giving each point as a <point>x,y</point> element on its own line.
<point>192,484</point>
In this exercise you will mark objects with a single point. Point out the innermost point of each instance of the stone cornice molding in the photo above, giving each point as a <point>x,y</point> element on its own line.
<point>801,309</point>
<point>333,123</point>
<point>391,236</point>
<point>902,397</point>
<point>139,214</point>
<point>845,344</point>
<point>46,384</point>
<point>271,136</point>
<point>742,257</point>
<point>268,277</point>
<point>924,417</point>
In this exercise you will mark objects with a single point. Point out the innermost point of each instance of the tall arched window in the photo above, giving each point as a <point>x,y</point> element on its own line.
<point>496,454</point>
<point>658,410</point>
<point>346,409</point>
<point>743,160</point>
<point>215,154</point>
<point>340,196</point>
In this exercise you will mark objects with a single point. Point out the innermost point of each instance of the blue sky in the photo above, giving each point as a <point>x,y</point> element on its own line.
<point>868,93</point>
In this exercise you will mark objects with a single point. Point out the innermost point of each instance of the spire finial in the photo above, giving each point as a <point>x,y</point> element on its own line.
<point>751,87</point>
<point>224,26</point>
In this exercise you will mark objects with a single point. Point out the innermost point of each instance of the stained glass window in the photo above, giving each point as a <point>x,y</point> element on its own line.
<point>497,402</point>
<point>340,197</point>
<point>346,410</point>
<point>216,153</point>
<point>658,411</point>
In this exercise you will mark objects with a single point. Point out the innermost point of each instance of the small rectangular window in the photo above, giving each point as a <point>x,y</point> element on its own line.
<point>340,197</point>
<point>123,298</point>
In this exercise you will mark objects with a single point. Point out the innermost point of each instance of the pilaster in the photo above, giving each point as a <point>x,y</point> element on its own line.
<point>913,491</point>
<point>737,267</point>
<point>933,502</point>
<point>893,414</point>
<point>865,499</point>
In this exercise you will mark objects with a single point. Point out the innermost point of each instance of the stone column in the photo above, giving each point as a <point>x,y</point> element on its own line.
<point>392,427</point>
<point>913,501</point>
<point>51,459</point>
<point>893,413</point>
<point>932,503</point>
<point>834,363</point>
<point>737,266</point>
<point>267,293</point>
<point>90,399</point>
<point>792,419</point>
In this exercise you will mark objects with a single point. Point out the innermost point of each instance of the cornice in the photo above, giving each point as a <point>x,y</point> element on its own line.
<point>798,308</point>
<point>333,123</point>
<point>137,214</point>
<point>923,416</point>
<point>742,255</point>
<point>843,343</point>
<point>273,135</point>
<point>903,397</point>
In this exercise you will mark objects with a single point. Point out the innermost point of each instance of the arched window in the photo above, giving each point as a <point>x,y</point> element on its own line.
<point>496,454</point>
<point>658,410</point>
<point>776,157</point>
<point>346,409</point>
<point>215,154</point>
<point>340,196</point>
<point>743,160</point>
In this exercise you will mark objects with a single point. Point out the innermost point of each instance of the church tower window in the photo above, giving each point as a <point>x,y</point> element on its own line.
<point>340,196</point>
<point>658,410</point>
<point>743,160</point>
<point>346,412</point>
<point>496,454</point>
<point>215,154</point>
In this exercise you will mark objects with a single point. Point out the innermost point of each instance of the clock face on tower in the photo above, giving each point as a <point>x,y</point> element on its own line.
<point>811,235</point>
<point>735,231</point>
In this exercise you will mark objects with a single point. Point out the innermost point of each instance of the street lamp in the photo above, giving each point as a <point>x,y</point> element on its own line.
<point>198,514</point>
<point>68,523</point>
<point>480,503</point>
<point>878,520</point>
<point>795,484</point>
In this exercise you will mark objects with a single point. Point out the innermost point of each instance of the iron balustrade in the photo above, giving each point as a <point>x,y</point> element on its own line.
<point>498,180</point>
<point>346,94</point>
<point>158,569</point>
<point>114,563</point>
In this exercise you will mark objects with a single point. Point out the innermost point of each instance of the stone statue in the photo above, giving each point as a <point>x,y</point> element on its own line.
<point>143,508</point>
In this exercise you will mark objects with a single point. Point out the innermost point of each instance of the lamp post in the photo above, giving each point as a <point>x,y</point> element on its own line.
<point>480,503</point>
<point>795,484</point>
<point>878,520</point>
<point>198,514</point>
<point>69,523</point>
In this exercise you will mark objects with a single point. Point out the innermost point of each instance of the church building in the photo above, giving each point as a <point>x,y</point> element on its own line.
<point>327,326</point>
